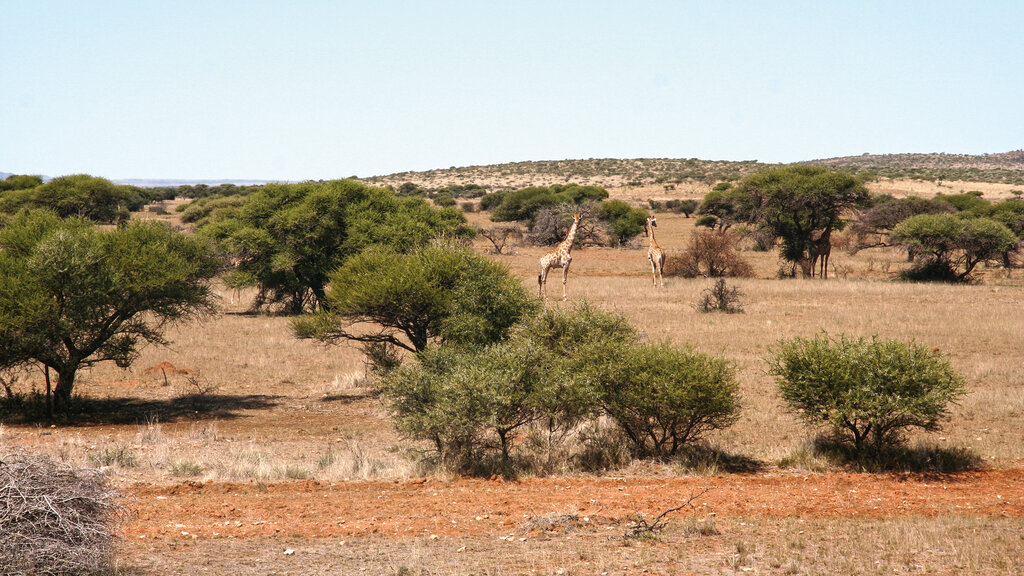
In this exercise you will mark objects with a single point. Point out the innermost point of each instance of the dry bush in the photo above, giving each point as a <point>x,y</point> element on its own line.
<point>56,519</point>
<point>710,253</point>
<point>551,225</point>
<point>499,237</point>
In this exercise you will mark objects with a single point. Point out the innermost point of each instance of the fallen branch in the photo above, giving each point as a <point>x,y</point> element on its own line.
<point>641,528</point>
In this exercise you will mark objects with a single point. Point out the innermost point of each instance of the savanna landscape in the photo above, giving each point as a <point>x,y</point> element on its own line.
<point>239,448</point>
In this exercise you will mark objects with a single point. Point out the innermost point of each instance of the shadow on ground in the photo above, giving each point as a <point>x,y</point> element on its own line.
<point>85,411</point>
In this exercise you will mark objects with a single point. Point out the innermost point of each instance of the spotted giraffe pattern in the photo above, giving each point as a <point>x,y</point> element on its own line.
<point>655,254</point>
<point>560,257</point>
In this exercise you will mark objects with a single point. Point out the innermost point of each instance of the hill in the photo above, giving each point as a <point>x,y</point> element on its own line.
<point>1005,167</point>
<point>606,172</point>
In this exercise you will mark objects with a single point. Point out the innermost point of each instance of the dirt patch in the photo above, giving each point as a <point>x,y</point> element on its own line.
<point>464,507</point>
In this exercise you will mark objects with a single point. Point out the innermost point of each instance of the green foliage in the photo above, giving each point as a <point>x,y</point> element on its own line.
<point>524,204</point>
<point>81,195</point>
<point>471,402</point>
<point>793,202</point>
<point>624,222</point>
<point>491,201</point>
<point>444,200</point>
<point>887,212</point>
<point>723,207</point>
<point>1011,214</point>
<point>463,190</point>
<point>557,372</point>
<point>664,397</point>
<point>951,245</point>
<point>291,236</point>
<point>966,202</point>
<point>865,390</point>
<point>441,293</point>
<point>20,182</point>
<point>72,295</point>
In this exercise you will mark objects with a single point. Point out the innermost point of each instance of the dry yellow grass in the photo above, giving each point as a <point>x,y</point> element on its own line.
<point>272,408</point>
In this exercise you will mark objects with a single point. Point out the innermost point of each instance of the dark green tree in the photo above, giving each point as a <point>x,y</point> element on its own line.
<point>624,221</point>
<point>81,195</point>
<point>436,293</point>
<point>524,204</point>
<point>796,203</point>
<point>288,238</point>
<point>949,246</point>
<point>72,296</point>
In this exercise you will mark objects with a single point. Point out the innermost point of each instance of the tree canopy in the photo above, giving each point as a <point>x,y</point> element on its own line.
<point>434,293</point>
<point>951,245</point>
<point>288,238</point>
<point>72,295</point>
<point>794,202</point>
<point>524,204</point>
<point>81,195</point>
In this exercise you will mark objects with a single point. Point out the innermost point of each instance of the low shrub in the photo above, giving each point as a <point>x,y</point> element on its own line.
<point>865,391</point>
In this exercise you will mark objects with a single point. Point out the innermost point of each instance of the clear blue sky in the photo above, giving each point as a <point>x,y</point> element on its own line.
<point>309,89</point>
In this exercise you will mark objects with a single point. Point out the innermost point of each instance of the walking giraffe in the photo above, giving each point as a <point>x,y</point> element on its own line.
<point>655,254</point>
<point>560,257</point>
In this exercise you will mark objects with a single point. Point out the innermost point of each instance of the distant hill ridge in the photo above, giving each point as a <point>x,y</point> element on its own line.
<point>1003,161</point>
<point>1004,167</point>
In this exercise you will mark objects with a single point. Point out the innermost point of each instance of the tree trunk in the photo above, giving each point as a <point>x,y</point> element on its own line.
<point>65,384</point>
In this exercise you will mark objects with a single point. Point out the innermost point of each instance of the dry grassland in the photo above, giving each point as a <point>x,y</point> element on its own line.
<point>244,401</point>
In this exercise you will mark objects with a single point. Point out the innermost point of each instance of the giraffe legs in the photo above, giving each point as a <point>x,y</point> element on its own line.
<point>542,281</point>
<point>565,279</point>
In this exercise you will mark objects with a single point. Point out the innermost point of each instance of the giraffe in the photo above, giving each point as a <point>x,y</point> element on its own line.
<point>560,257</point>
<point>234,263</point>
<point>655,254</point>
<point>820,247</point>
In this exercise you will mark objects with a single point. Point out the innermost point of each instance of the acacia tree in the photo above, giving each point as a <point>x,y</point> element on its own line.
<point>950,245</point>
<point>290,237</point>
<point>72,295</point>
<point>81,195</point>
<point>793,203</point>
<point>441,293</point>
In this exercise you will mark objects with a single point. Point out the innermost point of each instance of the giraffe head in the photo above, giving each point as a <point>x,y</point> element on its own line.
<point>652,222</point>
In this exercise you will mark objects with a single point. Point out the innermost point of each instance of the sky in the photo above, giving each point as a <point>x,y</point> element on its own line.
<point>306,89</point>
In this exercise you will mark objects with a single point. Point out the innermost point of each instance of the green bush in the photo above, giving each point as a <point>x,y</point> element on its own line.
<point>868,391</point>
<point>624,221</point>
<point>472,403</point>
<point>524,204</point>
<point>664,397</point>
<point>951,245</point>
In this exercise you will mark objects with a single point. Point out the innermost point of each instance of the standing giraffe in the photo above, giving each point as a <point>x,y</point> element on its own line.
<point>819,249</point>
<point>560,257</point>
<point>655,253</point>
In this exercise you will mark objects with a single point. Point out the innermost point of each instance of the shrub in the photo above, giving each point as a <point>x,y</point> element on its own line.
<point>624,222</point>
<point>56,520</point>
<point>952,245</point>
<point>711,253</point>
<point>524,204</point>
<point>721,298</point>
<point>664,397</point>
<point>865,390</point>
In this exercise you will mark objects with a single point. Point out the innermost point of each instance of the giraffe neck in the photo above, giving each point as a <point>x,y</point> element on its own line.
<point>650,232</point>
<point>566,244</point>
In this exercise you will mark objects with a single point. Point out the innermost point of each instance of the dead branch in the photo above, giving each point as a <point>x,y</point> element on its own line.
<point>642,528</point>
<point>55,519</point>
